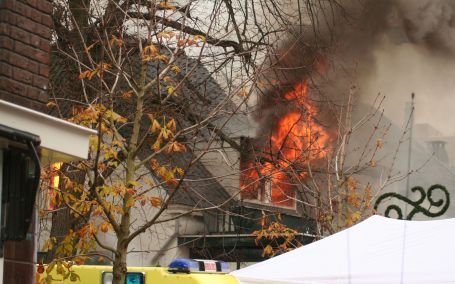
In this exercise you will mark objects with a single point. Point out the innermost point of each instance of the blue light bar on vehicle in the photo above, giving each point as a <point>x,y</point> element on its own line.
<point>184,265</point>
<point>225,267</point>
<point>188,265</point>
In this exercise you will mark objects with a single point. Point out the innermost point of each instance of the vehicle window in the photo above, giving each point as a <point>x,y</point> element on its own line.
<point>131,278</point>
<point>134,278</point>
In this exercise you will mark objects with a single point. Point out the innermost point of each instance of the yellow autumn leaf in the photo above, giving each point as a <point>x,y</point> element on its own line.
<point>166,5</point>
<point>165,34</point>
<point>179,171</point>
<point>155,126</point>
<point>165,134</point>
<point>199,38</point>
<point>352,183</point>
<point>268,250</point>
<point>51,104</point>
<point>104,227</point>
<point>243,93</point>
<point>115,116</point>
<point>154,164</point>
<point>147,58</point>
<point>171,125</point>
<point>129,202</point>
<point>157,145</point>
<point>84,74</point>
<point>133,183</point>
<point>161,171</point>
<point>116,41</point>
<point>117,143</point>
<point>175,69</point>
<point>170,90</point>
<point>92,73</point>
<point>150,50</point>
<point>355,216</point>
<point>127,94</point>
<point>155,201</point>
<point>174,146</point>
<point>168,175</point>
<point>48,245</point>
<point>93,141</point>
<point>379,143</point>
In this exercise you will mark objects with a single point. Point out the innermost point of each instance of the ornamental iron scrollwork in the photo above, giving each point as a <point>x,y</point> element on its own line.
<point>442,204</point>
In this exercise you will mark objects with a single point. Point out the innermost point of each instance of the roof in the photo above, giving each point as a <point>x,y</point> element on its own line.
<point>199,94</point>
<point>200,188</point>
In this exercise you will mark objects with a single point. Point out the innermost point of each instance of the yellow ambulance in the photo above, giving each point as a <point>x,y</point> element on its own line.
<point>180,271</point>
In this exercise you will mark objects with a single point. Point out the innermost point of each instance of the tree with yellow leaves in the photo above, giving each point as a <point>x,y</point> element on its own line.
<point>125,68</point>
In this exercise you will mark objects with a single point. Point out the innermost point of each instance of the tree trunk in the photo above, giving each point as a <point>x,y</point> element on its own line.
<point>119,269</point>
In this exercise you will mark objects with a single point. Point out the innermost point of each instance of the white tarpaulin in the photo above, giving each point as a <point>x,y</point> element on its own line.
<point>377,250</point>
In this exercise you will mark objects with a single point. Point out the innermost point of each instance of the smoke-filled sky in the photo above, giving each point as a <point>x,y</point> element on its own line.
<point>391,47</point>
<point>394,47</point>
<point>416,53</point>
<point>405,68</point>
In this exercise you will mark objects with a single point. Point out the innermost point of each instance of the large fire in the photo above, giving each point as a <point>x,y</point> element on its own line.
<point>295,142</point>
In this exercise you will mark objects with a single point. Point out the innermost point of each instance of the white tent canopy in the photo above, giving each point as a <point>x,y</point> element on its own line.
<point>377,250</point>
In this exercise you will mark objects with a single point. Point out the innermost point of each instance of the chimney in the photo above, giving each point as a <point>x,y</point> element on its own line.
<point>438,147</point>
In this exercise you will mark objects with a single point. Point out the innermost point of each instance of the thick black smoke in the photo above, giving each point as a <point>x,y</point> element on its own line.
<point>336,51</point>
<point>429,22</point>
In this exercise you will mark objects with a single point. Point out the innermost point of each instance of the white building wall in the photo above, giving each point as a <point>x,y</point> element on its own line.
<point>158,245</point>
<point>223,162</point>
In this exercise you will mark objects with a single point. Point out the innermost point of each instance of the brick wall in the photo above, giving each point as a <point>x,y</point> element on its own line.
<point>25,32</point>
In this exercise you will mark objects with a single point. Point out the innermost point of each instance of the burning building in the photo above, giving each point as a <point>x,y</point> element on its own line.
<point>282,155</point>
<point>325,146</point>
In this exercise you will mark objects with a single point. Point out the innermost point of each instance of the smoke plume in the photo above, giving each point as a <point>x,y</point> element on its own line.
<point>366,47</point>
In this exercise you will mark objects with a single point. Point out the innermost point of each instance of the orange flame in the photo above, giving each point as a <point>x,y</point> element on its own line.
<point>296,141</point>
<point>55,181</point>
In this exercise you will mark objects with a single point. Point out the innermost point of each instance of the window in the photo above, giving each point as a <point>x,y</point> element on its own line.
<point>277,192</point>
<point>131,278</point>
<point>274,190</point>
